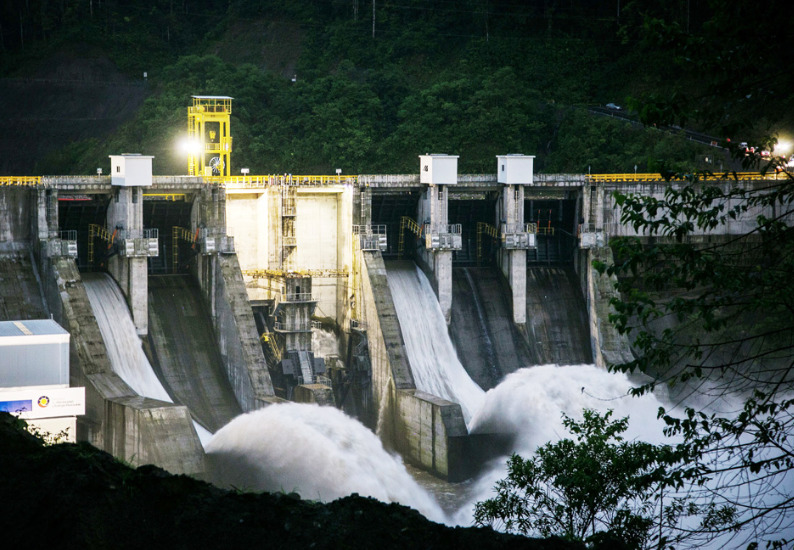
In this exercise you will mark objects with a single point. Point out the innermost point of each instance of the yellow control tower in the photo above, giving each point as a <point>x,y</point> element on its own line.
<point>208,130</point>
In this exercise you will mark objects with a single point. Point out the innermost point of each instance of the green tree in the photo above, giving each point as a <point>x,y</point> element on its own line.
<point>595,487</point>
<point>713,319</point>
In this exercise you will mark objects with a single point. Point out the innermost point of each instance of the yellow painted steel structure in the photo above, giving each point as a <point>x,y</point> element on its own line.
<point>488,230</point>
<point>210,136</point>
<point>103,233</point>
<point>20,180</point>
<point>287,274</point>
<point>173,197</point>
<point>406,222</point>
<point>176,234</point>
<point>716,176</point>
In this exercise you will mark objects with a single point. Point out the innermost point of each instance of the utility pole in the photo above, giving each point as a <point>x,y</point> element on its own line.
<point>373,18</point>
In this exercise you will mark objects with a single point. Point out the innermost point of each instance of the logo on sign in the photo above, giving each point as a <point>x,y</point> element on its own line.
<point>43,401</point>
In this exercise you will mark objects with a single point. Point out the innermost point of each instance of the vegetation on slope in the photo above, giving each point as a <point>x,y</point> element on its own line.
<point>81,497</point>
<point>473,78</point>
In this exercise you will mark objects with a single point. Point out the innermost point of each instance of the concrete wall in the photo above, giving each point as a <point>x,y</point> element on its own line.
<point>429,431</point>
<point>17,209</point>
<point>117,420</point>
<point>247,219</point>
<point>743,223</point>
<point>608,345</point>
<point>222,283</point>
<point>426,430</point>
<point>317,231</point>
<point>134,423</point>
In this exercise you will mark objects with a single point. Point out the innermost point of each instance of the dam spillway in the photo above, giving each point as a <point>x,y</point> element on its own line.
<point>488,343</point>
<point>185,353</point>
<point>121,339</point>
<point>306,224</point>
<point>434,361</point>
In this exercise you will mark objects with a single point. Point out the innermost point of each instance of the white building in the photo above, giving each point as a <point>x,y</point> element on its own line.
<point>34,377</point>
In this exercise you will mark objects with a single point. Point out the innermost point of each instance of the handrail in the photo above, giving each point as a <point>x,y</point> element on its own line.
<point>272,180</point>
<point>656,177</point>
<point>265,181</point>
<point>26,181</point>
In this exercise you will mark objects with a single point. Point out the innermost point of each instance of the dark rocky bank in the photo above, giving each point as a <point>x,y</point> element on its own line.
<point>76,496</point>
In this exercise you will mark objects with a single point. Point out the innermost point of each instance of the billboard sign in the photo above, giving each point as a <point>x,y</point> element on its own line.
<point>43,402</point>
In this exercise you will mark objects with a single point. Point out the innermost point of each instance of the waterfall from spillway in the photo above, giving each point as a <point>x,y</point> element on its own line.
<point>434,361</point>
<point>322,454</point>
<point>123,344</point>
<point>121,338</point>
<point>318,452</point>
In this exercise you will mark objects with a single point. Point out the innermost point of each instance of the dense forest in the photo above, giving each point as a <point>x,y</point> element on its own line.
<point>367,86</point>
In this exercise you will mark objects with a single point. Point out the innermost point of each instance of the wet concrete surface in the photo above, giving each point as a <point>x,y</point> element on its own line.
<point>184,352</point>
<point>557,328</point>
<point>491,346</point>
<point>488,343</point>
<point>20,293</point>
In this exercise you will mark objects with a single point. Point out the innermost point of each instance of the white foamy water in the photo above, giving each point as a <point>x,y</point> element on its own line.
<point>318,452</point>
<point>530,402</point>
<point>434,361</point>
<point>203,433</point>
<point>324,343</point>
<point>122,342</point>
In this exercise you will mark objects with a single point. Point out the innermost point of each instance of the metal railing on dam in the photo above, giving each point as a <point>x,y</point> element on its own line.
<point>71,182</point>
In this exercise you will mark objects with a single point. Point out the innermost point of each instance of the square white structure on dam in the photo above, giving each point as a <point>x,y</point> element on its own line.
<point>438,169</point>
<point>515,169</point>
<point>131,170</point>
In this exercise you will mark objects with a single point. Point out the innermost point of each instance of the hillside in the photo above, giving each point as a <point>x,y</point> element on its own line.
<point>366,87</point>
<point>64,106</point>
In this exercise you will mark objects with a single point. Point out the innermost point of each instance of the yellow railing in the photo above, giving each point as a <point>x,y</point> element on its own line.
<point>411,225</point>
<point>259,182</point>
<point>656,177</point>
<point>166,196</point>
<point>20,180</point>
<point>103,233</point>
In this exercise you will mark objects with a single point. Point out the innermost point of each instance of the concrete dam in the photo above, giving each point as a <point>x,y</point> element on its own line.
<point>226,279</point>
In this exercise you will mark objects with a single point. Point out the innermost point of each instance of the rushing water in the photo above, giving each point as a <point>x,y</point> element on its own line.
<point>318,452</point>
<point>434,361</point>
<point>122,342</point>
<point>323,454</point>
<point>124,347</point>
